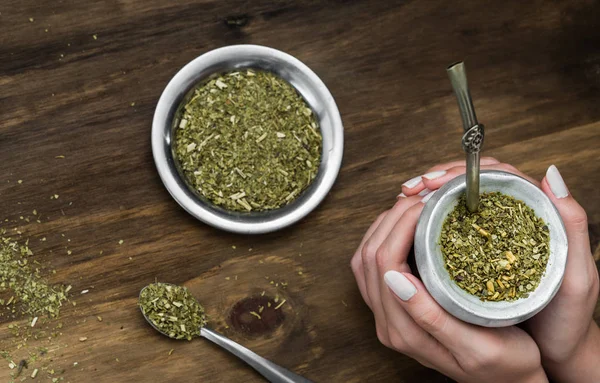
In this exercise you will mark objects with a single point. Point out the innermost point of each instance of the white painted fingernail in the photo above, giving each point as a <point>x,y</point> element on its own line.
<point>434,175</point>
<point>412,182</point>
<point>400,285</point>
<point>401,195</point>
<point>427,197</point>
<point>424,192</point>
<point>556,182</point>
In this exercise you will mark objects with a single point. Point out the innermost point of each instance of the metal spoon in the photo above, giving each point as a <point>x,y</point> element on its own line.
<point>272,372</point>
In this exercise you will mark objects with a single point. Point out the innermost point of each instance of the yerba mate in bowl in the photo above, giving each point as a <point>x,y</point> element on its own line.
<point>247,141</point>
<point>491,311</point>
<point>214,191</point>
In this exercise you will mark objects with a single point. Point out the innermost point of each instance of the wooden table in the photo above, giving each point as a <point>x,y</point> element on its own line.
<point>80,79</point>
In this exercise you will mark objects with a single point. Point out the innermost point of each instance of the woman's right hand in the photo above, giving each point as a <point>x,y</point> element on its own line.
<point>565,331</point>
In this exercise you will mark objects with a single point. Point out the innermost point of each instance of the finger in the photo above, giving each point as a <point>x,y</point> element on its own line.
<point>461,339</point>
<point>369,253</point>
<point>574,218</point>
<point>408,338</point>
<point>573,215</point>
<point>472,347</point>
<point>373,245</point>
<point>448,165</point>
<point>416,185</point>
<point>412,187</point>
<point>404,334</point>
<point>434,181</point>
<point>394,249</point>
<point>356,262</point>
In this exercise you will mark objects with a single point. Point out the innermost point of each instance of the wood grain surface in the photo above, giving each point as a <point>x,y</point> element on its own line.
<point>82,79</point>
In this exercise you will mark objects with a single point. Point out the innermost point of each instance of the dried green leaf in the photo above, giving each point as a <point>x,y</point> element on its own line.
<point>247,141</point>
<point>29,292</point>
<point>499,252</point>
<point>173,310</point>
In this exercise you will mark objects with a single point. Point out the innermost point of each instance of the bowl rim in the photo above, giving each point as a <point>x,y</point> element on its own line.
<point>489,314</point>
<point>176,186</point>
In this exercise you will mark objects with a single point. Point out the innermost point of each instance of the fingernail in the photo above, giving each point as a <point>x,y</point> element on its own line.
<point>412,182</point>
<point>400,285</point>
<point>434,175</point>
<point>427,197</point>
<point>401,195</point>
<point>556,182</point>
<point>424,192</point>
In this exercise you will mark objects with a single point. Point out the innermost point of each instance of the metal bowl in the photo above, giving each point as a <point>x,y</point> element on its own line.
<point>446,292</point>
<point>306,82</point>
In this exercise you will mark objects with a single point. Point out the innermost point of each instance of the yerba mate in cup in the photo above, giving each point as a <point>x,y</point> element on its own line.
<point>499,252</point>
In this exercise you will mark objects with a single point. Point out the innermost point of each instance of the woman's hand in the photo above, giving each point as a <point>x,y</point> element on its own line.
<point>567,335</point>
<point>438,175</point>
<point>410,321</point>
<point>565,332</point>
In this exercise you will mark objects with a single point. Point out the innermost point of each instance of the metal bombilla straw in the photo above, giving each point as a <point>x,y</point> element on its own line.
<point>472,140</point>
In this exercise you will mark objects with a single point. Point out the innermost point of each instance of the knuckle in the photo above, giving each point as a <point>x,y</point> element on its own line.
<point>577,218</point>
<point>492,356</point>
<point>382,336</point>
<point>431,319</point>
<point>397,342</point>
<point>369,251</point>
<point>382,215</point>
<point>487,358</point>
<point>381,256</point>
<point>584,287</point>
<point>414,212</point>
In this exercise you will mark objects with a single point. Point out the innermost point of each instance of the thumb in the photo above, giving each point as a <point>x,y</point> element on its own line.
<point>573,215</point>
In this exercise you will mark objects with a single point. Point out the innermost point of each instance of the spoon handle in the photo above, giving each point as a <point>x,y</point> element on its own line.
<point>272,372</point>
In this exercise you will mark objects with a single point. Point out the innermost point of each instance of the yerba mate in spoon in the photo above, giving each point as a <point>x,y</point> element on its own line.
<point>174,312</point>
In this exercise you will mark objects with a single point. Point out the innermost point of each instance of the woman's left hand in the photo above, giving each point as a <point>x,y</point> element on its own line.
<point>409,320</point>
